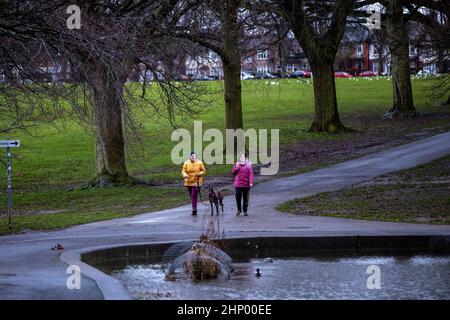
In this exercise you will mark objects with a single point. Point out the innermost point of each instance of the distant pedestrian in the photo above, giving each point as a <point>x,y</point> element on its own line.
<point>243,181</point>
<point>193,172</point>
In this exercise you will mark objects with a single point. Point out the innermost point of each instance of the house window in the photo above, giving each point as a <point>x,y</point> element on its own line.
<point>290,68</point>
<point>359,49</point>
<point>262,55</point>
<point>263,69</point>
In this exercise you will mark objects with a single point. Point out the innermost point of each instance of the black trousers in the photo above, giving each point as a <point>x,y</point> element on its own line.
<point>245,193</point>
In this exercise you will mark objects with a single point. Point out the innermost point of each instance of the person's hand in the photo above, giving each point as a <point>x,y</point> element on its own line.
<point>251,185</point>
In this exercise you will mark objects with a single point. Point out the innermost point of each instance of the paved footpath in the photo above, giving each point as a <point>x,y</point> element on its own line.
<point>30,270</point>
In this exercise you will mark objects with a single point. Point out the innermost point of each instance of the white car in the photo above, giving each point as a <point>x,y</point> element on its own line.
<point>246,76</point>
<point>423,73</point>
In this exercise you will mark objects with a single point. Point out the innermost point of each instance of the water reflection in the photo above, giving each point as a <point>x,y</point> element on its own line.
<point>416,277</point>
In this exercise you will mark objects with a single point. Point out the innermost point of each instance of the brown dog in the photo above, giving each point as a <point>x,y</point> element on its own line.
<point>216,199</point>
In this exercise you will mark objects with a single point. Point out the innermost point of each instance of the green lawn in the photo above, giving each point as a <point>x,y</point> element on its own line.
<point>417,195</point>
<point>53,162</point>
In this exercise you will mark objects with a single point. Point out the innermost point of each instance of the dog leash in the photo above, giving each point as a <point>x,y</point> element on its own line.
<point>200,192</point>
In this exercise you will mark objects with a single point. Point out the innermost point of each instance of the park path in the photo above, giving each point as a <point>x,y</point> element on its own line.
<point>30,270</point>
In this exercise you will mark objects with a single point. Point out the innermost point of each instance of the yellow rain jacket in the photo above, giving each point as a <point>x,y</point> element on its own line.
<point>193,171</point>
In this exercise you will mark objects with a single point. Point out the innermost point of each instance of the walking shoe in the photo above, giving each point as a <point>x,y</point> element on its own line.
<point>194,212</point>
<point>238,212</point>
<point>245,214</point>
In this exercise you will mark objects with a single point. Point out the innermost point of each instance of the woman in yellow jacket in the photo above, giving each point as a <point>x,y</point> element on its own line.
<point>193,172</point>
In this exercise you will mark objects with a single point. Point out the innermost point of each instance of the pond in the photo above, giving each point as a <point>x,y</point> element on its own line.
<point>343,267</point>
<point>345,277</point>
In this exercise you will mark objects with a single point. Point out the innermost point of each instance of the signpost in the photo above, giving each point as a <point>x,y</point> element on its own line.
<point>9,144</point>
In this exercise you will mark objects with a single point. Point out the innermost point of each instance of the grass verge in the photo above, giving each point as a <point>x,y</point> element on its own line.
<point>417,195</point>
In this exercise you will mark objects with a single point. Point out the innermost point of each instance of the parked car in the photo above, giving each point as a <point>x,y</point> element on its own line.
<point>423,73</point>
<point>181,77</point>
<point>341,74</point>
<point>200,77</point>
<point>265,75</point>
<point>297,74</point>
<point>367,73</point>
<point>301,74</point>
<point>247,76</point>
<point>279,74</point>
<point>307,74</point>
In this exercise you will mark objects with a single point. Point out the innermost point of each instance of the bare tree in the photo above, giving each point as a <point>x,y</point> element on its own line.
<point>22,50</point>
<point>114,37</point>
<point>434,18</point>
<point>400,66</point>
<point>378,39</point>
<point>216,25</point>
<point>398,14</point>
<point>319,27</point>
<point>232,29</point>
<point>105,54</point>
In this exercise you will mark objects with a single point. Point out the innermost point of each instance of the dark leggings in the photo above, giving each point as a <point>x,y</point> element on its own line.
<point>193,193</point>
<point>240,191</point>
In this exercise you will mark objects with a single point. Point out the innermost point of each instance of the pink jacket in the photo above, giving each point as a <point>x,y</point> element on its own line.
<point>243,175</point>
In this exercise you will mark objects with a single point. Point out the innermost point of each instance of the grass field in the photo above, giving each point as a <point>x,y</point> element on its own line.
<point>417,195</point>
<point>53,162</point>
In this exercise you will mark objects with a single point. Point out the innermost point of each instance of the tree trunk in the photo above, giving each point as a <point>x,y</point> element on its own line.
<point>326,116</point>
<point>231,59</point>
<point>321,49</point>
<point>400,69</point>
<point>232,95</point>
<point>107,96</point>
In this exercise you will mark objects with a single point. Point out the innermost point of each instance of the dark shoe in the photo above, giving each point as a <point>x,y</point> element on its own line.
<point>238,212</point>
<point>245,214</point>
<point>194,212</point>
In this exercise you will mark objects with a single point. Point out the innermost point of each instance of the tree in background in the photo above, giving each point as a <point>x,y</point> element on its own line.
<point>232,29</point>
<point>398,37</point>
<point>434,18</point>
<point>113,38</point>
<point>319,27</point>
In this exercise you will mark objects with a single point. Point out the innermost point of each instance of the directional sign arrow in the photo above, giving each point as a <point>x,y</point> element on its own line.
<point>9,143</point>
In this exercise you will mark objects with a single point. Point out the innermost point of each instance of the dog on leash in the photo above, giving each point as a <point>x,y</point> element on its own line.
<point>215,199</point>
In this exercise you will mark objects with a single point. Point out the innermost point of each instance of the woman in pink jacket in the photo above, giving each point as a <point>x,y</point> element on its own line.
<point>243,181</point>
